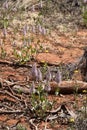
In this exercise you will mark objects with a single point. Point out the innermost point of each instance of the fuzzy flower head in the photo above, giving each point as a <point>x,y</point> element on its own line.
<point>5,5</point>
<point>29,42</point>
<point>34,71</point>
<point>32,88</point>
<point>33,29</point>
<point>40,28</point>
<point>24,44</point>
<point>39,75</point>
<point>33,8</point>
<point>43,31</point>
<point>41,4</point>
<point>24,31</point>
<point>58,77</point>
<point>85,1</point>
<point>48,75</point>
<point>14,9</point>
<point>47,87</point>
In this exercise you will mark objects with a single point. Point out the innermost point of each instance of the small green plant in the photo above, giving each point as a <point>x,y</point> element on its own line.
<point>76,94</point>
<point>6,13</point>
<point>39,102</point>
<point>84,15</point>
<point>4,21</point>
<point>27,50</point>
<point>3,53</point>
<point>85,104</point>
<point>25,54</point>
<point>57,92</point>
<point>44,69</point>
<point>21,56</point>
<point>21,127</point>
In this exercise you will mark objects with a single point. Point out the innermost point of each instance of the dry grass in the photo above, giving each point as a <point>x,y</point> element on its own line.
<point>25,3</point>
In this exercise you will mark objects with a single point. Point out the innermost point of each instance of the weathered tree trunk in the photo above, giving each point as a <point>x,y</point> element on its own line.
<point>67,87</point>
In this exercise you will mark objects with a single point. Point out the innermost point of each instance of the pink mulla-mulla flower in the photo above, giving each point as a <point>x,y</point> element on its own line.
<point>26,27</point>
<point>47,87</point>
<point>34,71</point>
<point>14,9</point>
<point>29,42</point>
<point>58,77</point>
<point>39,75</point>
<point>24,31</point>
<point>41,4</point>
<point>5,5</point>
<point>43,31</point>
<point>32,88</point>
<point>24,43</point>
<point>40,28</point>
<point>33,29</point>
<point>48,75</point>
<point>85,1</point>
<point>33,8</point>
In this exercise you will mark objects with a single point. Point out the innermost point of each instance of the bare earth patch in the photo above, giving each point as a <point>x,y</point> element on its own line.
<point>66,49</point>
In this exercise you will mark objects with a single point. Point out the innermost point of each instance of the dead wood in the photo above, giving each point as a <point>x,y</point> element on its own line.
<point>11,112</point>
<point>4,82</point>
<point>64,87</point>
<point>18,88</point>
<point>14,64</point>
<point>67,87</point>
<point>5,92</point>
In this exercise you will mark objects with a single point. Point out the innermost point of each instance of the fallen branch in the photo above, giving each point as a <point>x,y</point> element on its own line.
<point>5,92</point>
<point>31,121</point>
<point>18,88</point>
<point>15,64</point>
<point>67,87</point>
<point>4,82</point>
<point>11,112</point>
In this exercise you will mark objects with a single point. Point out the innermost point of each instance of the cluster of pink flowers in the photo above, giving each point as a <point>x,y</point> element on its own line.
<point>85,1</point>
<point>37,75</point>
